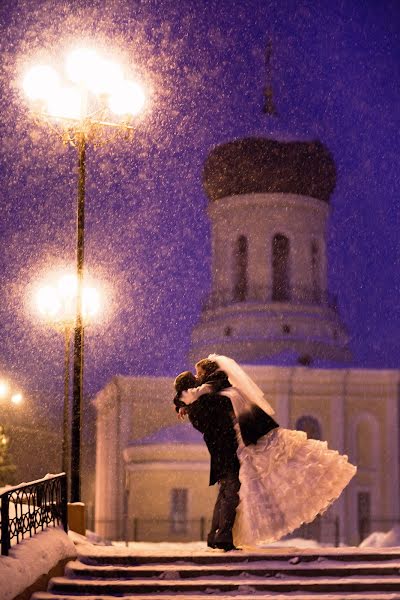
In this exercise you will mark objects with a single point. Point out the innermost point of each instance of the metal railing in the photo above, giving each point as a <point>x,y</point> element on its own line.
<point>136,529</point>
<point>325,530</point>
<point>257,294</point>
<point>375,524</point>
<point>30,507</point>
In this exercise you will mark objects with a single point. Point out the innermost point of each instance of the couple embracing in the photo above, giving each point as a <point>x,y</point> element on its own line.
<point>271,479</point>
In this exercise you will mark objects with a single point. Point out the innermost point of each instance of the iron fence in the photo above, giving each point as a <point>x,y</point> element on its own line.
<point>136,529</point>
<point>375,524</point>
<point>324,530</point>
<point>27,508</point>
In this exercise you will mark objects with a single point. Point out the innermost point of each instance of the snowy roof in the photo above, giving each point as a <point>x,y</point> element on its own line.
<point>183,433</point>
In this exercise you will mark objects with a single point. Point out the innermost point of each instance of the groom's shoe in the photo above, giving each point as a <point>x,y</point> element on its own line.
<point>225,547</point>
<point>211,545</point>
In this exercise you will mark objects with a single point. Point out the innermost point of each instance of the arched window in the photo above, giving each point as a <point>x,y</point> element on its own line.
<point>311,426</point>
<point>280,268</point>
<point>240,260</point>
<point>315,271</point>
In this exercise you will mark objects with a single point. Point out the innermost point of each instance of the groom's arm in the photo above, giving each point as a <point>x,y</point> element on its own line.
<point>179,403</point>
<point>218,381</point>
<point>193,394</point>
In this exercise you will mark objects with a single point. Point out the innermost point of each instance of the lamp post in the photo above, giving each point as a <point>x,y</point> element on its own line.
<point>97,99</point>
<point>56,303</point>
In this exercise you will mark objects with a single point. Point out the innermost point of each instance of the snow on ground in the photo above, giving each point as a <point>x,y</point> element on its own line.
<point>380,539</point>
<point>32,558</point>
<point>298,545</point>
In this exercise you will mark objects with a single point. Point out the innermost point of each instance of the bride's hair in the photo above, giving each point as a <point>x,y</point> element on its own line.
<point>185,381</point>
<point>208,366</point>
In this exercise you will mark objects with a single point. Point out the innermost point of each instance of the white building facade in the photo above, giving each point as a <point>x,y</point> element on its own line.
<point>355,410</point>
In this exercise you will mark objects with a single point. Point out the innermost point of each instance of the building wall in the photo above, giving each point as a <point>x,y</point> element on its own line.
<point>153,472</point>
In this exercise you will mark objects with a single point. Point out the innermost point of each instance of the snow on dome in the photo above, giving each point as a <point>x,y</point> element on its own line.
<point>257,165</point>
<point>177,434</point>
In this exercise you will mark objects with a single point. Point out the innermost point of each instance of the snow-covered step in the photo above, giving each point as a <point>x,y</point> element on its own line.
<point>236,596</point>
<point>250,585</point>
<point>214,557</point>
<point>328,568</point>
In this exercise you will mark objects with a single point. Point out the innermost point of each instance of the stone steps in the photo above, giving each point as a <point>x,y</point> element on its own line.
<point>76,569</point>
<point>236,596</point>
<point>303,575</point>
<point>63,585</point>
<point>213,557</point>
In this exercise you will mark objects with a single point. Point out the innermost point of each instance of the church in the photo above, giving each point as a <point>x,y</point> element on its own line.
<point>270,310</point>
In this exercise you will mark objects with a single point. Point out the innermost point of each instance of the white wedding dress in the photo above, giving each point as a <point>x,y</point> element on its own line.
<point>286,480</point>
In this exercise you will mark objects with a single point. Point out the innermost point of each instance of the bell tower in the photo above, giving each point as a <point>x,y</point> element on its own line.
<point>268,207</point>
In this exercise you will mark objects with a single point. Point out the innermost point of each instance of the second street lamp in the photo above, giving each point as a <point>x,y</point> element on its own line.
<point>57,305</point>
<point>79,103</point>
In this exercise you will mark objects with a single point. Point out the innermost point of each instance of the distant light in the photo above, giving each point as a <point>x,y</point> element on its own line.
<point>80,63</point>
<point>40,82</point>
<point>4,389</point>
<point>16,398</point>
<point>127,99</point>
<point>66,103</point>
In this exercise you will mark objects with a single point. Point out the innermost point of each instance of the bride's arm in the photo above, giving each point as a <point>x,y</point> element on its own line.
<point>194,394</point>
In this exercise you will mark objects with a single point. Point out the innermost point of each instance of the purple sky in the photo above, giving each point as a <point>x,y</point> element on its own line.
<point>335,75</point>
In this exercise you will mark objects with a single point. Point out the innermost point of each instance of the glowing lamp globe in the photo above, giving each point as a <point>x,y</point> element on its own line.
<point>65,103</point>
<point>105,77</point>
<point>90,302</point>
<point>80,63</point>
<point>127,99</point>
<point>48,301</point>
<point>68,286</point>
<point>40,82</point>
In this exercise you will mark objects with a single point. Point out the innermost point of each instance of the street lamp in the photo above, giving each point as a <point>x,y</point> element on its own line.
<point>88,97</point>
<point>57,304</point>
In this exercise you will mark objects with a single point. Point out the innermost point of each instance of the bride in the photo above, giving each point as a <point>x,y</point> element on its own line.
<point>286,479</point>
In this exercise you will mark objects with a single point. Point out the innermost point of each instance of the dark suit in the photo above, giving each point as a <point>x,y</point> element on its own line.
<point>212,415</point>
<point>253,424</point>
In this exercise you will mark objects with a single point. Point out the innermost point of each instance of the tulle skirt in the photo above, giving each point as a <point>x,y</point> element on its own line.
<point>286,480</point>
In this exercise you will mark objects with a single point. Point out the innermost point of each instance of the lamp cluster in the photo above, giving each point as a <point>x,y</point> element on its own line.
<point>89,82</point>
<point>57,302</point>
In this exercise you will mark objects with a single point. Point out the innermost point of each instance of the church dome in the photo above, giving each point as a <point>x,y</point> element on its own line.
<point>259,165</point>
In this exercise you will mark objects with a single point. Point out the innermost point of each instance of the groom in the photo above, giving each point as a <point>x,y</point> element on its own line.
<point>212,415</point>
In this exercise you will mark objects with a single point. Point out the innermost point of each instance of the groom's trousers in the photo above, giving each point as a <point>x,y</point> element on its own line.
<point>225,510</point>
